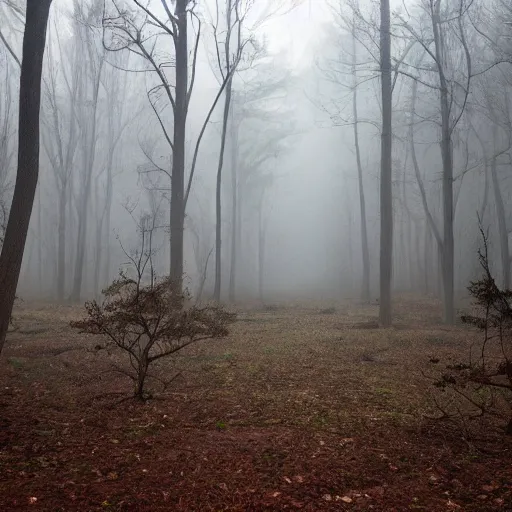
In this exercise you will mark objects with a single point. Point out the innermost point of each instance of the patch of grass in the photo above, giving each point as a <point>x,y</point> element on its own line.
<point>383,391</point>
<point>220,425</point>
<point>16,363</point>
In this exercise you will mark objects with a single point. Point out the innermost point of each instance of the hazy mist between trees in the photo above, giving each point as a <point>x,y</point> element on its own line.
<point>250,132</point>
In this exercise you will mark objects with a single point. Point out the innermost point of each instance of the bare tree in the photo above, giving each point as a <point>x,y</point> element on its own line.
<point>386,191</point>
<point>28,157</point>
<point>365,283</point>
<point>453,71</point>
<point>61,137</point>
<point>229,53</point>
<point>87,16</point>
<point>138,32</point>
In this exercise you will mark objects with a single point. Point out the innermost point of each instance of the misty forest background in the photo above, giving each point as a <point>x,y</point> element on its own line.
<point>282,161</point>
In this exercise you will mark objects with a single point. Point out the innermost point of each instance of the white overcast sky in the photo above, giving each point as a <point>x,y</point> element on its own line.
<point>297,31</point>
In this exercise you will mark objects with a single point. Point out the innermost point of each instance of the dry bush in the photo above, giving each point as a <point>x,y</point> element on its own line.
<point>485,382</point>
<point>150,321</point>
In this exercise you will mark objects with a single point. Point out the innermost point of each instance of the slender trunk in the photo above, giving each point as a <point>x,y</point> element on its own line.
<point>349,245</point>
<point>386,191</point>
<point>28,158</point>
<point>433,230</point>
<point>416,282</point>
<point>203,278</point>
<point>218,196</point>
<point>61,245</point>
<point>447,159</point>
<point>365,283</point>
<point>261,253</point>
<point>427,262</point>
<point>108,214</point>
<point>234,209</point>
<point>142,372</point>
<point>86,193</point>
<point>177,210</point>
<point>502,225</point>
<point>98,243</point>
<point>411,256</point>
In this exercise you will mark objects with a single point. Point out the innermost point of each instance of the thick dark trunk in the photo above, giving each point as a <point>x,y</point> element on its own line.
<point>386,191</point>
<point>142,372</point>
<point>28,158</point>
<point>177,219</point>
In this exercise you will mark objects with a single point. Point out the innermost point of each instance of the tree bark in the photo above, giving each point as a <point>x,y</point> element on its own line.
<point>28,157</point>
<point>447,159</point>
<point>386,192</point>
<point>177,209</point>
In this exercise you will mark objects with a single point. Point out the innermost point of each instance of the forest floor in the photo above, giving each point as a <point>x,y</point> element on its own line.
<point>300,408</point>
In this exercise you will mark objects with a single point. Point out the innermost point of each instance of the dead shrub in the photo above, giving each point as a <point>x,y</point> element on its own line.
<point>484,382</point>
<point>150,321</point>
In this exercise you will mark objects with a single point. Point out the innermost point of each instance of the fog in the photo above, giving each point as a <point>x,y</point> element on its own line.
<point>290,217</point>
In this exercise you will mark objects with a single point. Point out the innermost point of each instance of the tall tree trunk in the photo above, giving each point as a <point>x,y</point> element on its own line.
<point>365,283</point>
<point>261,252</point>
<point>98,247</point>
<point>234,208</point>
<point>108,215</point>
<point>83,216</point>
<point>428,258</point>
<point>177,209</point>
<point>28,158</point>
<point>386,190</point>
<point>218,195</point>
<point>350,244</point>
<point>447,159</point>
<point>61,245</point>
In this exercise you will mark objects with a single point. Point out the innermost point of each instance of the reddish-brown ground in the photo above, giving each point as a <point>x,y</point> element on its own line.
<point>299,409</point>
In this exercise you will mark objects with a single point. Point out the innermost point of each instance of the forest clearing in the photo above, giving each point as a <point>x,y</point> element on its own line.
<point>302,407</point>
